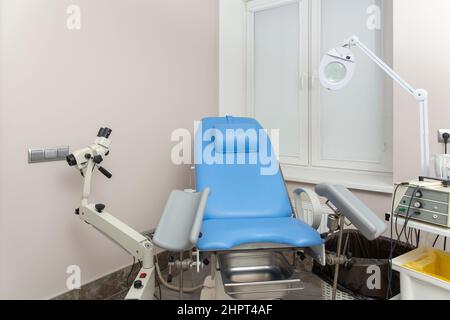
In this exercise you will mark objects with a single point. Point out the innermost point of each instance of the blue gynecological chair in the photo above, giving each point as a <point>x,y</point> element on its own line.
<point>248,213</point>
<point>249,203</point>
<point>242,215</point>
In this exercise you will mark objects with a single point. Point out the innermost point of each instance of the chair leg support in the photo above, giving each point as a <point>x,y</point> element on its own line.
<point>338,254</point>
<point>181,277</point>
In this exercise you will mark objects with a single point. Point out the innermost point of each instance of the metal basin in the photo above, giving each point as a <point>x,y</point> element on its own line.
<point>257,275</point>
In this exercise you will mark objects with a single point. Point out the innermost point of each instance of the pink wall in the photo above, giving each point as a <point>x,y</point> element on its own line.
<point>144,68</point>
<point>421,51</point>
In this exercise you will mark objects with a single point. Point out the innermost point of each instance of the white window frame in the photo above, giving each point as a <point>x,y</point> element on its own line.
<point>301,158</point>
<point>384,166</point>
<point>308,168</point>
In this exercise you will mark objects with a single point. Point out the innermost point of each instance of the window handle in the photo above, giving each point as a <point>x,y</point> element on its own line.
<point>314,78</point>
<point>303,81</point>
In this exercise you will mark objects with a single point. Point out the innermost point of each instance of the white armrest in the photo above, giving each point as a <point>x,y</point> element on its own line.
<point>196,227</point>
<point>181,222</point>
<point>364,219</point>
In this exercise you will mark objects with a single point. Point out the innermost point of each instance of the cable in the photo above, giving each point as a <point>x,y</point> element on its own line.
<point>159,287</point>
<point>435,241</point>
<point>172,287</point>
<point>389,291</point>
<point>131,271</point>
<point>411,234</point>
<point>393,247</point>
<point>407,218</point>
<point>417,238</point>
<point>408,215</point>
<point>408,236</point>
<point>160,292</point>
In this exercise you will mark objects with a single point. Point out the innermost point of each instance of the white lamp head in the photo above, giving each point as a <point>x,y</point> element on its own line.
<point>337,68</point>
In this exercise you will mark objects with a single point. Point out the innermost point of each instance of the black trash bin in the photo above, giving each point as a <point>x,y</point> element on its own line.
<point>367,259</point>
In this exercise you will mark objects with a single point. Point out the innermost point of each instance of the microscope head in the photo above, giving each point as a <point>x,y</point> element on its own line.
<point>100,148</point>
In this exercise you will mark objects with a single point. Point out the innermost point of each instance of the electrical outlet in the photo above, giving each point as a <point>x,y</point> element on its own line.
<point>441,133</point>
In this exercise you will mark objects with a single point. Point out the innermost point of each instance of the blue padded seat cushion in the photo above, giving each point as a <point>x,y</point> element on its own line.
<point>225,234</point>
<point>241,192</point>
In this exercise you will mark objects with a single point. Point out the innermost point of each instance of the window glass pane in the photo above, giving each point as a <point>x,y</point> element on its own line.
<point>276,73</point>
<point>355,122</point>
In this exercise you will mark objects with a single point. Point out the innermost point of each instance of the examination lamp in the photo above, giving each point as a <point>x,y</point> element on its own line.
<point>337,69</point>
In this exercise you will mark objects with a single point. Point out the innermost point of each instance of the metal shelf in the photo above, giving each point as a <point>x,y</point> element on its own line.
<point>442,231</point>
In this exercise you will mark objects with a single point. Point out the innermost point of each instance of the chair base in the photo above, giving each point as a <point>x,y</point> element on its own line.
<point>257,275</point>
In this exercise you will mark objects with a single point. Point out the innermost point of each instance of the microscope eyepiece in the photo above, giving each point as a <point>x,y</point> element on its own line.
<point>104,133</point>
<point>100,132</point>
<point>71,160</point>
<point>107,132</point>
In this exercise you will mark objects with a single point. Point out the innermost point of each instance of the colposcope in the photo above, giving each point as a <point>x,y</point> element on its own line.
<point>96,152</point>
<point>189,206</point>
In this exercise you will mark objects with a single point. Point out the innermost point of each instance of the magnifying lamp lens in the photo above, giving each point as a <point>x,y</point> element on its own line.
<point>335,72</point>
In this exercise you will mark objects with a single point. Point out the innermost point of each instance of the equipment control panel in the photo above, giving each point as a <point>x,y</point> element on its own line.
<point>424,201</point>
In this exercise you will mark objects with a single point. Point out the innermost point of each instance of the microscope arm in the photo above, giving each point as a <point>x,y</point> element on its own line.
<point>126,237</point>
<point>123,235</point>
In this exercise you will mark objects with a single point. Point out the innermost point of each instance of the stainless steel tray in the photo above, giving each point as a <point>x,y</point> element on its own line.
<point>257,275</point>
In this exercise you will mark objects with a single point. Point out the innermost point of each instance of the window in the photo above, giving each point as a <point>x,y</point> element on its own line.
<point>341,136</point>
<point>277,57</point>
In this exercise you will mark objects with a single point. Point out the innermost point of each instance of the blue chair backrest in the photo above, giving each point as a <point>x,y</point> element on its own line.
<point>235,159</point>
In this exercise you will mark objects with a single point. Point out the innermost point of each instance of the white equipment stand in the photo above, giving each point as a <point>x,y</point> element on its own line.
<point>426,227</point>
<point>129,239</point>
<point>86,160</point>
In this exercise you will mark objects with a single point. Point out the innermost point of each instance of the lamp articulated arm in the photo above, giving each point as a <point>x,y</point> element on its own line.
<point>420,95</point>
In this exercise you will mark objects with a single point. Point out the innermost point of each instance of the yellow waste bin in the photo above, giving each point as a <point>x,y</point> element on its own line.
<point>434,263</point>
<point>424,274</point>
